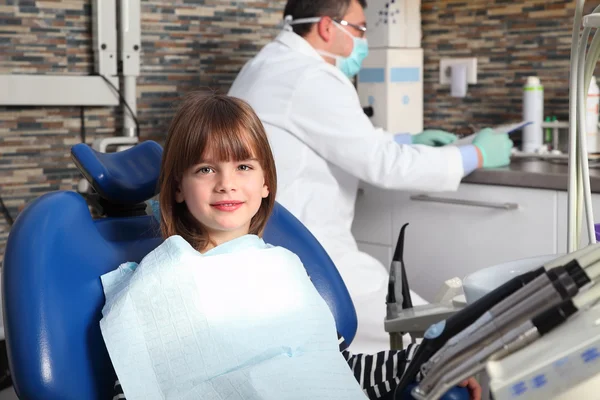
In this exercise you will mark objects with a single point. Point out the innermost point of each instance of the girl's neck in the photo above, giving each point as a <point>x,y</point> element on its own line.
<point>218,240</point>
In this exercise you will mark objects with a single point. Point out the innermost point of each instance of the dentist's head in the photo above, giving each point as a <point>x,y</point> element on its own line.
<point>335,28</point>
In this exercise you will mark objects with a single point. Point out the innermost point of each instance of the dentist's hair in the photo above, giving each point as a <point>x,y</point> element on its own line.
<point>222,128</point>
<point>316,8</point>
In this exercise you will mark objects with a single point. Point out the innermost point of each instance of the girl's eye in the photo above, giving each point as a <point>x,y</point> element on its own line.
<point>204,170</point>
<point>245,167</point>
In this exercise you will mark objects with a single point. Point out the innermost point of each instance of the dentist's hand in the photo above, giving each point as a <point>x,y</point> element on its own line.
<point>432,137</point>
<point>495,148</point>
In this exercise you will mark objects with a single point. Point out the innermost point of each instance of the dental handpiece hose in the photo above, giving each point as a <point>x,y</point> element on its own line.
<point>574,267</point>
<point>514,340</point>
<point>544,291</point>
<point>564,285</point>
<point>457,354</point>
<point>438,334</point>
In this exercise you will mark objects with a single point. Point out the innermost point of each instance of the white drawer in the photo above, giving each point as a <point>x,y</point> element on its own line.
<point>457,233</point>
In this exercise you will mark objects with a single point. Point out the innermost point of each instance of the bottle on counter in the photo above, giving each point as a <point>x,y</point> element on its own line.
<point>533,110</point>
<point>591,117</point>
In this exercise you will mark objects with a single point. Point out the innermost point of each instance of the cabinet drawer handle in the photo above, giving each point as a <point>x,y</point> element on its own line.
<point>501,206</point>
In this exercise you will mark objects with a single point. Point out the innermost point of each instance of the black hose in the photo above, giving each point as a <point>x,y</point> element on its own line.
<point>137,124</point>
<point>82,118</point>
<point>5,212</point>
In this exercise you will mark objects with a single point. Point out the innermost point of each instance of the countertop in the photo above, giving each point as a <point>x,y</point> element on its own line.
<point>538,174</point>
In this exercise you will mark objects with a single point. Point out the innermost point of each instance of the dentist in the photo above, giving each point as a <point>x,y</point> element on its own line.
<point>300,87</point>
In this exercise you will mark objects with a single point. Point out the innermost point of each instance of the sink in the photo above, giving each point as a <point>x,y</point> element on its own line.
<point>479,283</point>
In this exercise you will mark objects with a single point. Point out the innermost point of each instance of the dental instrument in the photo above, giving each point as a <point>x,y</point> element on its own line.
<point>575,267</point>
<point>580,76</point>
<point>558,284</point>
<point>513,341</point>
<point>398,296</point>
<point>402,317</point>
<point>579,200</point>
<point>438,334</point>
<point>456,354</point>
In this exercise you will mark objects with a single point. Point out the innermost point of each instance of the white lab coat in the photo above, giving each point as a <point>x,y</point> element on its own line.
<point>323,145</point>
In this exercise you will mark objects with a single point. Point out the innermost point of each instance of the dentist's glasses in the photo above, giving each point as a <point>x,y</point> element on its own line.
<point>362,30</point>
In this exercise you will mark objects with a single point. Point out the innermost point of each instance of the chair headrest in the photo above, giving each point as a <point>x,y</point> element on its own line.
<point>125,177</point>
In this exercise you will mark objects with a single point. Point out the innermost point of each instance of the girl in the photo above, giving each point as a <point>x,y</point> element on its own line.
<point>217,189</point>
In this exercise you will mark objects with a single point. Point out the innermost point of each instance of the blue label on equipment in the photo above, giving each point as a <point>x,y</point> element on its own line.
<point>435,330</point>
<point>590,355</point>
<point>405,74</point>
<point>518,389</point>
<point>561,362</point>
<point>397,75</point>
<point>539,381</point>
<point>371,75</point>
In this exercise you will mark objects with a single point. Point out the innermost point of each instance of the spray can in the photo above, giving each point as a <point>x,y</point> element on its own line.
<point>591,117</point>
<point>533,111</point>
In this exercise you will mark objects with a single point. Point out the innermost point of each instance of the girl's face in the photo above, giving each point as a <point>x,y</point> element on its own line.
<point>223,196</point>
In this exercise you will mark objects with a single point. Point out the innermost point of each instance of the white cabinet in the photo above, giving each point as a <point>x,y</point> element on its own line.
<point>445,240</point>
<point>457,233</point>
<point>562,220</point>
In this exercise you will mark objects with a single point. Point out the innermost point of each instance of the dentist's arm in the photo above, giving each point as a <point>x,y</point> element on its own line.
<point>326,115</point>
<point>471,156</point>
<point>489,149</point>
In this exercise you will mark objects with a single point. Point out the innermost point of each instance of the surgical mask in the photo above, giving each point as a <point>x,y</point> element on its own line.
<point>348,65</point>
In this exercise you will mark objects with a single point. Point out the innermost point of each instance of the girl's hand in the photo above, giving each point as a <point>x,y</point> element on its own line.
<point>474,388</point>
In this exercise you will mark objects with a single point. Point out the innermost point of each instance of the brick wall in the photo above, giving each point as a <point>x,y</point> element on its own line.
<point>190,44</point>
<point>185,45</point>
<point>511,39</point>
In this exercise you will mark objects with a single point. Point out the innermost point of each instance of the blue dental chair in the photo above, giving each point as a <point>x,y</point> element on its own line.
<point>56,252</point>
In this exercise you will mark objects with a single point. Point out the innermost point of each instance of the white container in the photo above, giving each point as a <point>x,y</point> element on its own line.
<point>391,81</point>
<point>591,117</point>
<point>533,111</point>
<point>395,24</point>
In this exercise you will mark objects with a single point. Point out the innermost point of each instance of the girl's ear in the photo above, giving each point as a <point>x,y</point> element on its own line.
<point>265,191</point>
<point>179,198</point>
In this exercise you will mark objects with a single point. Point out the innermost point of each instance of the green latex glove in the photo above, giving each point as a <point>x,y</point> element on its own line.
<point>433,137</point>
<point>495,148</point>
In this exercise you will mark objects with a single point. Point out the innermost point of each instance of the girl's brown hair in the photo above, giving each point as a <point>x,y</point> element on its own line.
<point>223,128</point>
